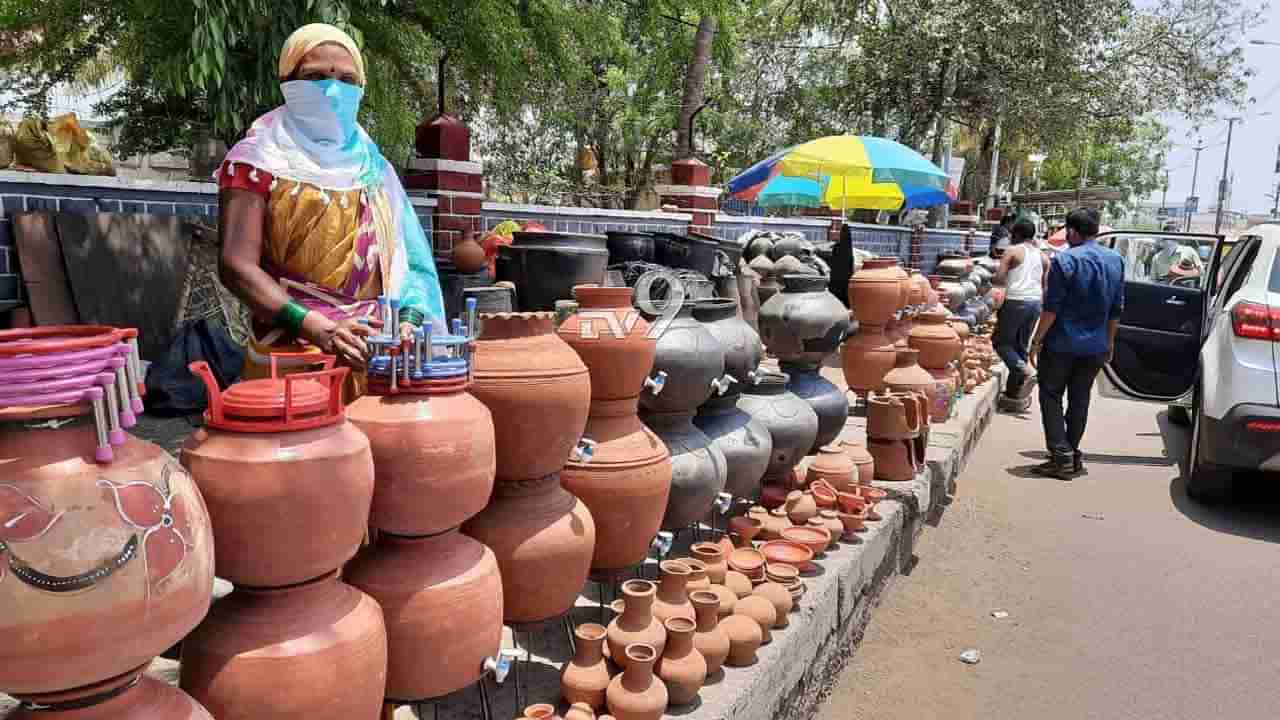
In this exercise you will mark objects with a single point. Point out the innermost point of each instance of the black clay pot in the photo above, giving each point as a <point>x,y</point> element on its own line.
<point>744,441</point>
<point>545,267</point>
<point>804,323</point>
<point>692,359</point>
<point>491,298</point>
<point>742,347</point>
<point>759,246</point>
<point>799,248</point>
<point>792,424</point>
<point>699,254</point>
<point>546,238</point>
<point>828,401</point>
<point>629,247</point>
<point>453,286</point>
<point>698,468</point>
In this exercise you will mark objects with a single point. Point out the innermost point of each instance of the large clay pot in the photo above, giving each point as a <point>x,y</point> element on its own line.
<point>745,638</point>
<point>908,376</point>
<point>543,538</point>
<point>829,403</point>
<point>637,694</point>
<point>468,254</point>
<point>318,649</point>
<point>780,598</point>
<point>699,470</point>
<point>866,358</point>
<point>612,339</point>
<point>586,677</point>
<point>537,389</point>
<point>862,460</point>
<point>904,285</point>
<point>672,599</point>
<point>132,696</point>
<point>792,423</point>
<point>744,441</point>
<point>441,597</point>
<point>102,566</point>
<point>761,611</point>
<point>636,623</point>
<point>426,449</point>
<point>804,323</point>
<point>742,347</point>
<point>938,344</point>
<point>709,639</point>
<point>894,416</point>
<point>682,668</point>
<point>874,291</point>
<point>894,459</point>
<point>693,360</point>
<point>833,465</point>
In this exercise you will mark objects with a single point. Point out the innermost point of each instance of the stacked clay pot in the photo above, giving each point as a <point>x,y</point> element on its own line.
<point>895,423</point>
<point>939,350</point>
<point>877,293</point>
<point>804,323</point>
<point>539,394</point>
<point>289,483</point>
<point>625,481</point>
<point>105,560</point>
<point>440,591</point>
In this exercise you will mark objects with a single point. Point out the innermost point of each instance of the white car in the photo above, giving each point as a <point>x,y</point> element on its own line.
<point>1206,341</point>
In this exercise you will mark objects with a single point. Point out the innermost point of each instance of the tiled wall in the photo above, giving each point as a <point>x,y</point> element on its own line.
<point>731,227</point>
<point>584,220</point>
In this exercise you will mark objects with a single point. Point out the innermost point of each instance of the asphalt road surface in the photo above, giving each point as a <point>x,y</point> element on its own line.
<point>1125,599</point>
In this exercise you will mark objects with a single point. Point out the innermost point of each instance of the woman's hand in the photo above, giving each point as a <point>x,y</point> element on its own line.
<point>407,330</point>
<point>344,339</point>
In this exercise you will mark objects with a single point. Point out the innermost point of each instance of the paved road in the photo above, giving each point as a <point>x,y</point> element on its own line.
<point>1125,598</point>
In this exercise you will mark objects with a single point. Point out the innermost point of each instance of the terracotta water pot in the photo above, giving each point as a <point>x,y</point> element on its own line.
<point>742,346</point>
<point>937,342</point>
<point>832,465</point>
<point>908,376</point>
<point>947,381</point>
<point>894,459</point>
<point>894,416</point>
<point>698,579</point>
<point>586,677</point>
<point>468,254</point>
<point>543,538</point>
<point>744,441</point>
<point>426,449</point>
<point>761,611</point>
<point>637,693</point>
<point>672,599</point>
<point>311,633</point>
<point>919,295</point>
<point>780,598</point>
<point>904,284</point>
<point>829,403</point>
<point>874,291</point>
<point>804,323</point>
<point>681,667</point>
<point>636,623</point>
<point>726,596</point>
<point>537,389</point>
<point>745,638</point>
<point>709,639</point>
<point>441,597</point>
<point>132,696</point>
<point>693,360</point>
<point>800,507</point>
<point>866,358</point>
<point>698,468</point>
<point>792,423</point>
<point>618,353</point>
<point>738,583</point>
<point>862,460</point>
<point>713,557</point>
<point>121,553</point>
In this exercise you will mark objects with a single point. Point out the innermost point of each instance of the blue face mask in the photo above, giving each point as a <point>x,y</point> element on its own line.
<point>324,110</point>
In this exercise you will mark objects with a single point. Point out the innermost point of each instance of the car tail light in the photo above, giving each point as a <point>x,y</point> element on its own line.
<point>1255,321</point>
<point>1266,426</point>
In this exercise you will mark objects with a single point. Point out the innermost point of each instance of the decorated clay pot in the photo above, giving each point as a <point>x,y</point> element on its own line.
<point>946,380</point>
<point>875,292</point>
<point>713,557</point>
<point>311,633</point>
<point>829,403</point>
<point>468,255</point>
<point>780,598</point>
<point>132,696</point>
<point>742,347</point>
<point>745,638</point>
<point>800,507</point>
<point>637,694</point>
<point>862,460</point>
<point>744,441</point>
<point>543,538</point>
<point>894,459</point>
<point>586,677</point>
<point>441,597</point>
<point>693,360</point>
<point>867,357</point>
<point>536,388</point>
<point>709,639</point>
<point>792,423</point>
<point>804,323</point>
<point>698,468</point>
<point>682,668</point>
<point>618,352</point>
<point>832,465</point>
<point>672,599</point>
<point>893,416</point>
<point>938,344</point>
<point>761,611</point>
<point>636,623</point>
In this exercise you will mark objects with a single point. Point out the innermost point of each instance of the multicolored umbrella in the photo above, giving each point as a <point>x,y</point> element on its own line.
<point>845,172</point>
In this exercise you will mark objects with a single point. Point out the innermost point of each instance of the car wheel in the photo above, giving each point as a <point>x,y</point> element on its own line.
<point>1206,483</point>
<point>1179,415</point>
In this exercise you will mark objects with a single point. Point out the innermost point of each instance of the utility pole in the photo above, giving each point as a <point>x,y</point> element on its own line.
<point>1275,209</point>
<point>1222,183</point>
<point>1195,175</point>
<point>1164,192</point>
<point>995,166</point>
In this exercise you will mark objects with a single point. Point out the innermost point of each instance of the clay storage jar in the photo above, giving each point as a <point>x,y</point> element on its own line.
<point>699,470</point>
<point>829,403</point>
<point>904,284</point>
<point>866,358</point>
<point>105,561</point>
<point>586,677</point>
<point>672,598</point>
<point>874,291</point>
<point>637,694</point>
<point>693,360</point>
<point>625,477</point>
<point>759,610</point>
<point>132,696</point>
<point>833,465</point>
<point>441,596</point>
<point>636,623</point>
<point>536,388</point>
<point>682,668</point>
<point>862,460</point>
<point>804,323</point>
<point>709,638</point>
<point>316,649</point>
<point>742,346</point>
<point>745,638</point>
<point>792,423</point>
<point>744,442</point>
<point>939,345</point>
<point>712,556</point>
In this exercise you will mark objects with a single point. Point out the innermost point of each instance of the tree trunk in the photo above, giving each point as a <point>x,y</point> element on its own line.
<point>695,85</point>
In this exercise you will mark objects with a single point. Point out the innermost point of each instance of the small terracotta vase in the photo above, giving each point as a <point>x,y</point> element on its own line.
<point>800,507</point>
<point>867,357</point>
<point>580,711</point>
<point>761,611</point>
<point>738,584</point>
<point>468,254</point>
<point>778,595</point>
<point>727,597</point>
<point>894,459</point>
<point>698,579</point>
<point>862,460</point>
<point>672,599</point>
<point>833,465</point>
<point>586,677</point>
<point>637,694</point>
<point>636,624</point>
<point>745,528</point>
<point>708,638</point>
<point>681,667</point>
<point>712,556</point>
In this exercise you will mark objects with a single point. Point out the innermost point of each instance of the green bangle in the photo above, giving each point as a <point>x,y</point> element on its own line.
<point>291,316</point>
<point>411,316</point>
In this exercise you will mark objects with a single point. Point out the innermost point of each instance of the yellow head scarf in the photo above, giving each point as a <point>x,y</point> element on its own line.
<point>307,38</point>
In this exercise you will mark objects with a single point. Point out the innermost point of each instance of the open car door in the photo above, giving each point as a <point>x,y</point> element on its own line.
<point>1167,288</point>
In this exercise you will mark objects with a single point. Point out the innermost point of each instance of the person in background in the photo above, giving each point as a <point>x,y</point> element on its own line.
<point>1170,255</point>
<point>1022,270</point>
<point>1084,299</point>
<point>1000,234</point>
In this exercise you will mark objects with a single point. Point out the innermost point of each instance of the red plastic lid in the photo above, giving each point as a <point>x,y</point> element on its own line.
<point>298,401</point>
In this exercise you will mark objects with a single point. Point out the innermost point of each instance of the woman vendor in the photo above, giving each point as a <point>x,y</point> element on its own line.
<point>315,225</point>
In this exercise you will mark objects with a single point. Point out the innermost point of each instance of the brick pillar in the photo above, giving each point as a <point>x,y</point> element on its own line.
<point>915,256</point>
<point>837,220</point>
<point>691,191</point>
<point>968,243</point>
<point>442,169</point>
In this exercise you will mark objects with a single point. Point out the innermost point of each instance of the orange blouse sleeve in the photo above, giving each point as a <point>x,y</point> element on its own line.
<point>241,176</point>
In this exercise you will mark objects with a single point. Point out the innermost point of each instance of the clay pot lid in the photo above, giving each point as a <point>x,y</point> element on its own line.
<point>787,552</point>
<point>280,403</point>
<point>746,560</point>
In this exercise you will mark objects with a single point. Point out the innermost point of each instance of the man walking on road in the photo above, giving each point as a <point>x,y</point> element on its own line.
<point>1022,271</point>
<point>1075,338</point>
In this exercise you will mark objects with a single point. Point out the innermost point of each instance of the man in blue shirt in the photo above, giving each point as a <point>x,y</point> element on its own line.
<point>1084,298</point>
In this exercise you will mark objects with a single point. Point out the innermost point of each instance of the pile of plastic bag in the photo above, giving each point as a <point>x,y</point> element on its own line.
<point>56,146</point>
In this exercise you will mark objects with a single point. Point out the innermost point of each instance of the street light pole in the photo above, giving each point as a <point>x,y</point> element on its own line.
<point>1195,176</point>
<point>1222,183</point>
